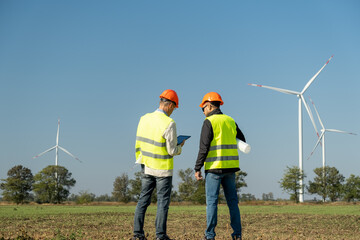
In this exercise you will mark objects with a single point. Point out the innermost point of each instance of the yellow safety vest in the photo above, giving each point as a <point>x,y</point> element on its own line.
<point>223,148</point>
<point>150,145</point>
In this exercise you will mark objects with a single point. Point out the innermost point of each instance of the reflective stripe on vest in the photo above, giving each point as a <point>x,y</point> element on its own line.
<point>223,151</point>
<point>150,146</point>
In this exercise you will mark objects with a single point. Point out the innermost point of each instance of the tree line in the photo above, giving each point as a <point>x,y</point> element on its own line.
<point>328,183</point>
<point>189,189</point>
<point>53,184</point>
<point>50,185</point>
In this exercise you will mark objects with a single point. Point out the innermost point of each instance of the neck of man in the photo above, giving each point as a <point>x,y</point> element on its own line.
<point>165,109</point>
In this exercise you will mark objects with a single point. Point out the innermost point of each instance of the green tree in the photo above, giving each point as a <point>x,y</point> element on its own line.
<point>135,190</point>
<point>247,197</point>
<point>188,186</point>
<point>73,197</point>
<point>174,196</point>
<point>240,181</point>
<point>52,184</point>
<point>290,183</point>
<point>121,188</point>
<point>85,197</point>
<point>268,196</point>
<point>327,183</point>
<point>135,186</point>
<point>199,195</point>
<point>192,190</point>
<point>18,185</point>
<point>352,188</point>
<point>104,198</point>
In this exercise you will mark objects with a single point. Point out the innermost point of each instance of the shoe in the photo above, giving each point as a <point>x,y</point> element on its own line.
<point>164,238</point>
<point>138,238</point>
<point>236,237</point>
<point>208,238</point>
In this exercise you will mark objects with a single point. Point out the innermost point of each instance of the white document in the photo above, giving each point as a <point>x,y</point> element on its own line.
<point>243,146</point>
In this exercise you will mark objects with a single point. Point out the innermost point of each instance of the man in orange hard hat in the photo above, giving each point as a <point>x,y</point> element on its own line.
<point>156,145</point>
<point>219,156</point>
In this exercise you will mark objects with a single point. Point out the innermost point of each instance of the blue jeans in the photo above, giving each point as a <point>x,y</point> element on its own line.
<point>212,187</point>
<point>163,186</point>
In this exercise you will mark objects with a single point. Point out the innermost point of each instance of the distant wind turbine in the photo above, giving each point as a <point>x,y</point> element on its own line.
<point>57,147</point>
<point>301,99</point>
<point>322,136</point>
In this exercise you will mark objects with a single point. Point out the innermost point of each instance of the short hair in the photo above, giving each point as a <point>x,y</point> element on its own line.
<point>215,103</point>
<point>166,101</point>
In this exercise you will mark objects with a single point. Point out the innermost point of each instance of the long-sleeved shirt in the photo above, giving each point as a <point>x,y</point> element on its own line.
<point>171,147</point>
<point>207,135</point>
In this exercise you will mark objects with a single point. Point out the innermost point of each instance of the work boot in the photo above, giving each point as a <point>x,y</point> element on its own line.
<point>138,238</point>
<point>208,238</point>
<point>236,237</point>
<point>164,238</point>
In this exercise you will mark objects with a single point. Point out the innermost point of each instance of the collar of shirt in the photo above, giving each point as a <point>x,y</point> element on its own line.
<point>160,110</point>
<point>216,111</point>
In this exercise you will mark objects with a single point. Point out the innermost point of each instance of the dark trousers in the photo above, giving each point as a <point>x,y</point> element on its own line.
<point>163,186</point>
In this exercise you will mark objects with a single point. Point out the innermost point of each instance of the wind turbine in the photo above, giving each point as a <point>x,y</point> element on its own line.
<point>322,136</point>
<point>57,147</point>
<point>301,99</point>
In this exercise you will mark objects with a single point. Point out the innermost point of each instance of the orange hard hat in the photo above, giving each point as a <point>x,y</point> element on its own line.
<point>211,97</point>
<point>170,95</point>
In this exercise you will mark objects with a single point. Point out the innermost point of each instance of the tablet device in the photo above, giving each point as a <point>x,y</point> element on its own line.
<point>181,138</point>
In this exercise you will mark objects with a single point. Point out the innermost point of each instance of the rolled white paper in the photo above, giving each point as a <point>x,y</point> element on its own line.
<point>243,146</point>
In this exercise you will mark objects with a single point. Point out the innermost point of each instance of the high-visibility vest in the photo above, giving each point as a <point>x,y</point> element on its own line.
<point>150,145</point>
<point>223,148</point>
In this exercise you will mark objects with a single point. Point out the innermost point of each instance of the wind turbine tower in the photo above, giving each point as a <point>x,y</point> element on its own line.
<point>300,96</point>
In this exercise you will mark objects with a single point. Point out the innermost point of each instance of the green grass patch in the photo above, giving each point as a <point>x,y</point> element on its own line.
<point>10,211</point>
<point>41,210</point>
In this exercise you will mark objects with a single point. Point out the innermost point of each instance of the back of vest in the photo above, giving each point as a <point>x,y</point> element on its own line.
<point>150,145</point>
<point>223,148</point>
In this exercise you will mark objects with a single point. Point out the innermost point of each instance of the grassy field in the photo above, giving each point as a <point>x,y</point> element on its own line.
<point>260,221</point>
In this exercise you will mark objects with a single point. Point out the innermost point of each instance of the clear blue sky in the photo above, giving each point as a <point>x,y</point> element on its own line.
<point>100,65</point>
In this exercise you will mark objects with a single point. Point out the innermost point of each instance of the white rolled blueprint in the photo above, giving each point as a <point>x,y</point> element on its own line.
<point>243,146</point>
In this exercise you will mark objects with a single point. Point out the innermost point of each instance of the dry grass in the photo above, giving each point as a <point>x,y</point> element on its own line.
<point>184,222</point>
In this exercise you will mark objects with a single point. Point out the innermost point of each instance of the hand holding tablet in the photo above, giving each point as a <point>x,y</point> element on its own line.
<point>182,138</point>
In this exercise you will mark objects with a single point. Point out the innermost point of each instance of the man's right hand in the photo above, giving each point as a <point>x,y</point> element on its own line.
<point>198,176</point>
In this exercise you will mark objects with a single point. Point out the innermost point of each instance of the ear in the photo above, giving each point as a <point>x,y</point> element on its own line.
<point>211,107</point>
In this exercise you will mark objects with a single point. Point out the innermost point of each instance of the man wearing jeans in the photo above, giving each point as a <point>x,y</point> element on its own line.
<point>156,144</point>
<point>218,154</point>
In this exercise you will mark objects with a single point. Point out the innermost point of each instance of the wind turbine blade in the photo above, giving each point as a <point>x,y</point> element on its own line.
<point>310,115</point>
<point>50,149</point>
<point>276,89</point>
<point>317,143</point>
<point>339,131</point>
<point>66,151</point>
<point>313,78</point>
<point>317,113</point>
